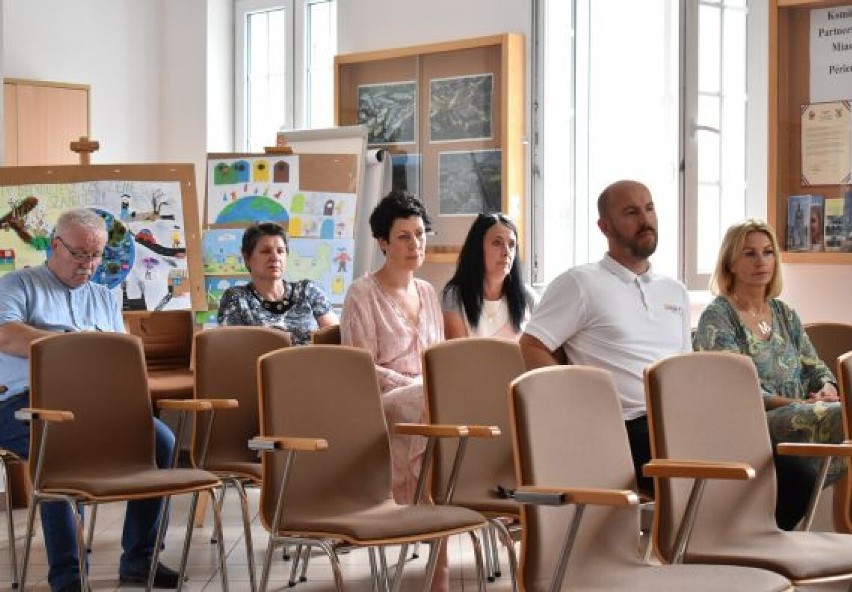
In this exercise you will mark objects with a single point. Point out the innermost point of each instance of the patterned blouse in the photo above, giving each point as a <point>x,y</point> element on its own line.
<point>242,305</point>
<point>786,363</point>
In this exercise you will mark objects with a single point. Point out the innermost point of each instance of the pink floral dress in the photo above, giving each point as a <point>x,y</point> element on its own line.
<point>373,321</point>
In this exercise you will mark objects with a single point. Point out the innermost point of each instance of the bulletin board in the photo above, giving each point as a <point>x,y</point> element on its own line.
<point>313,196</point>
<point>152,259</point>
<point>451,115</point>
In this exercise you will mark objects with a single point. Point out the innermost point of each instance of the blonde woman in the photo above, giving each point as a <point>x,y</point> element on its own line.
<point>799,391</point>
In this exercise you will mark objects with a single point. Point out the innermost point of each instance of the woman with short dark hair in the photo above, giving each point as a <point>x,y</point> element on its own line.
<point>269,300</point>
<point>396,316</point>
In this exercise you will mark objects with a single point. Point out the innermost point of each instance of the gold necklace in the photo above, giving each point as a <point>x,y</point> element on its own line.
<point>491,315</point>
<point>763,327</point>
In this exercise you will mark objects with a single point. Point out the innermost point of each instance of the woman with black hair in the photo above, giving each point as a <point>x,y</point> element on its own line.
<point>487,297</point>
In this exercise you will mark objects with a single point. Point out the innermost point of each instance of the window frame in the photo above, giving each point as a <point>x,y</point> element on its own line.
<point>297,61</point>
<point>577,192</point>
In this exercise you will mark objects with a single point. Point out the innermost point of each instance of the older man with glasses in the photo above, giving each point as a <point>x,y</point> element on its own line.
<point>59,297</point>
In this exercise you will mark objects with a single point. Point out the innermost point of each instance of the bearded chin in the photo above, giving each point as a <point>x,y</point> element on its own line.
<point>644,251</point>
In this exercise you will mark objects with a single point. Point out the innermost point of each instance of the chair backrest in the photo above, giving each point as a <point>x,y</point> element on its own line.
<point>708,406</point>
<point>831,340</point>
<point>166,336</point>
<point>226,361</point>
<point>326,335</point>
<point>568,432</point>
<point>331,392</point>
<point>101,378</point>
<point>844,382</point>
<point>465,381</point>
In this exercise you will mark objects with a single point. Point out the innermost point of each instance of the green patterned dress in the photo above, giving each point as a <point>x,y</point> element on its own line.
<point>787,365</point>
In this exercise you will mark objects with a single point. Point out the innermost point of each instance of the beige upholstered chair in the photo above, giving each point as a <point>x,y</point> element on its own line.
<point>225,362</point>
<point>342,493</point>
<point>581,527</point>
<point>326,335</point>
<point>831,340</point>
<point>843,503</point>
<point>707,407</point>
<point>167,340</point>
<point>465,383</point>
<point>88,390</point>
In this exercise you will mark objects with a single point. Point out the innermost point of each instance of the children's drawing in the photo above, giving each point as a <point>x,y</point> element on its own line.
<point>144,222</point>
<point>322,215</point>
<point>221,251</point>
<point>241,192</point>
<point>328,263</point>
<point>214,287</point>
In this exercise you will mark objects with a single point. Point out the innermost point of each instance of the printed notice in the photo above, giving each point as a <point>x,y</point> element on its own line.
<point>831,54</point>
<point>826,143</point>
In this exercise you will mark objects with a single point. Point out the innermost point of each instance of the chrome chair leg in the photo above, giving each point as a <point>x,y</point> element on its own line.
<point>303,574</point>
<point>10,522</point>
<point>486,547</point>
<point>495,556</point>
<point>506,536</point>
<point>241,491</point>
<point>93,515</point>
<point>297,557</point>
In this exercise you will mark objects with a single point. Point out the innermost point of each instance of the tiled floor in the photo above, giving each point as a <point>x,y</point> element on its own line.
<point>202,556</point>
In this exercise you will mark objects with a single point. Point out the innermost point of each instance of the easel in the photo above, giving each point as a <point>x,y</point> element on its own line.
<point>84,148</point>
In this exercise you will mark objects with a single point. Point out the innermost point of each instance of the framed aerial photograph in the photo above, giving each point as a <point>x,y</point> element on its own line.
<point>405,172</point>
<point>388,111</point>
<point>469,182</point>
<point>452,116</point>
<point>460,108</point>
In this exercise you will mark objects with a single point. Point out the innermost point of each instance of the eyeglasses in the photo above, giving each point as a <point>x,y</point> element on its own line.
<point>80,256</point>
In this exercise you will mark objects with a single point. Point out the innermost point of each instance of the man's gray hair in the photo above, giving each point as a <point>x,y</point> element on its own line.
<point>81,217</point>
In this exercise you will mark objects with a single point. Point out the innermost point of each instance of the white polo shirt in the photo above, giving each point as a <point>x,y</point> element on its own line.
<point>606,316</point>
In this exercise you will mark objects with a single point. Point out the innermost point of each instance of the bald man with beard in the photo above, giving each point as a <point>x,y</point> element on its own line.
<point>615,314</point>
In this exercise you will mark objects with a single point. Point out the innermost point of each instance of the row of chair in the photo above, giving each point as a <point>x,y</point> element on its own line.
<point>226,369</point>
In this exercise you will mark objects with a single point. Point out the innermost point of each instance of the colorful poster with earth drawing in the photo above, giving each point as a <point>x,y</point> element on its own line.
<point>145,257</point>
<point>245,189</point>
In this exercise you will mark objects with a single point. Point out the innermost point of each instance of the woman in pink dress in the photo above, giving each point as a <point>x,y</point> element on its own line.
<point>396,316</point>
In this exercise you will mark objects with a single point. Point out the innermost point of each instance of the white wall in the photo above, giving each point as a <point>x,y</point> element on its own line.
<point>365,25</point>
<point>112,45</point>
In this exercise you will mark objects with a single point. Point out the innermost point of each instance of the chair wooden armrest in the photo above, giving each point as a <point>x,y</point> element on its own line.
<point>483,431</point>
<point>184,404</point>
<point>285,443</point>
<point>51,415</point>
<point>810,449</point>
<point>697,469</point>
<point>557,496</point>
<point>431,430</point>
<point>222,403</point>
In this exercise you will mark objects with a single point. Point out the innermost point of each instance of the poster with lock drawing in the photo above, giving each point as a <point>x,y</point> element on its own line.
<point>313,196</point>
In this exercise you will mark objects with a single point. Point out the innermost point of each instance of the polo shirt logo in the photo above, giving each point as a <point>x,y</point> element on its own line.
<point>675,308</point>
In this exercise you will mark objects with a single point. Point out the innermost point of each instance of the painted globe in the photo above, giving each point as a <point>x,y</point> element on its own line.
<point>251,209</point>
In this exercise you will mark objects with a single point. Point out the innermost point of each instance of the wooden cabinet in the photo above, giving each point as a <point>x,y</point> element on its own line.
<point>452,116</point>
<point>789,90</point>
<point>42,119</point>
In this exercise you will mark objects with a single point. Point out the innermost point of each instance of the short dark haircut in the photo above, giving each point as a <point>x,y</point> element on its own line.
<point>469,277</point>
<point>254,232</point>
<point>395,205</point>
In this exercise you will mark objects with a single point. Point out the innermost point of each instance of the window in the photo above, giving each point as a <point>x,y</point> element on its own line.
<point>284,62</point>
<point>656,92</point>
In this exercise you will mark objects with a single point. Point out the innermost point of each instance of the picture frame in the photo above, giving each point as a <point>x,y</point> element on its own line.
<point>468,120</point>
